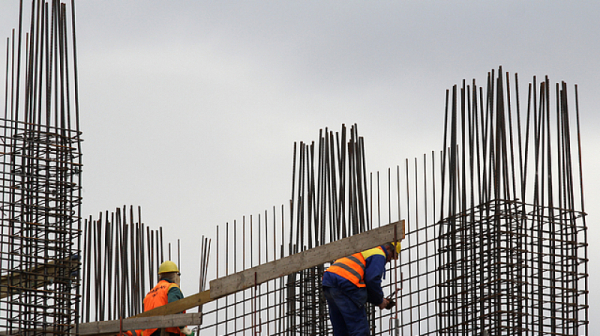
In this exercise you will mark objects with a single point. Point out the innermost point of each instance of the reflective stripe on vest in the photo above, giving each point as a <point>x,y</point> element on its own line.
<point>351,268</point>
<point>374,251</point>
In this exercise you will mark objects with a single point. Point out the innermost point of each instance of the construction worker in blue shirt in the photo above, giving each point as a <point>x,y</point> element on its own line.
<point>350,282</point>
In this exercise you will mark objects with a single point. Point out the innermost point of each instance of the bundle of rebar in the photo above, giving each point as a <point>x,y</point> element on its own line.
<point>121,257</point>
<point>41,171</point>
<point>513,252</point>
<point>330,201</point>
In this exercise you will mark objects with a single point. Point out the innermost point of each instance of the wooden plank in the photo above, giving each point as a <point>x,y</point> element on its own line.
<point>112,327</point>
<point>35,277</point>
<point>306,259</point>
<point>179,305</point>
<point>18,286</point>
<point>288,265</point>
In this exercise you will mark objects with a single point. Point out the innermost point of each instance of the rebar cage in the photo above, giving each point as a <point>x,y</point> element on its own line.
<point>41,171</point>
<point>509,268</point>
<point>39,228</point>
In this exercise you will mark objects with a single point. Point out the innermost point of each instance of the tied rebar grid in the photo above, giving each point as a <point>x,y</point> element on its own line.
<point>330,200</point>
<point>507,256</point>
<point>121,258</point>
<point>294,305</point>
<point>513,239</point>
<point>41,171</point>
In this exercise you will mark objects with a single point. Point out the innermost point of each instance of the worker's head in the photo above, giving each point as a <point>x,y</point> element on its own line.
<point>393,250</point>
<point>169,271</point>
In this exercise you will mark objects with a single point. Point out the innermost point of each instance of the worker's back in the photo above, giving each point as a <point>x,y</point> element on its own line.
<point>157,297</point>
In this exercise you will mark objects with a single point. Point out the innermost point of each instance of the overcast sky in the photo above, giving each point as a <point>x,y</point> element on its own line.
<point>190,108</point>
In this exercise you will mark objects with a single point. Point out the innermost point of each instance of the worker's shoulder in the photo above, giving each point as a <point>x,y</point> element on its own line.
<point>173,286</point>
<point>371,252</point>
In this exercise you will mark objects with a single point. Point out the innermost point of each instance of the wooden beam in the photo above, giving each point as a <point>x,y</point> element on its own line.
<point>306,259</point>
<point>179,305</point>
<point>113,327</point>
<point>288,265</point>
<point>37,276</point>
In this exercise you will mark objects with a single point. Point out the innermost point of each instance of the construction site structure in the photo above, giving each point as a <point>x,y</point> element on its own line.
<point>41,177</point>
<point>495,237</point>
<point>512,236</point>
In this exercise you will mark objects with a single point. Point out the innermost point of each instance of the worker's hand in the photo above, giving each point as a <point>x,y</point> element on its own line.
<point>383,303</point>
<point>187,331</point>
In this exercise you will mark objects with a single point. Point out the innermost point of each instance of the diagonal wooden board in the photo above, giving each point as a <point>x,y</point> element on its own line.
<point>306,259</point>
<point>284,266</point>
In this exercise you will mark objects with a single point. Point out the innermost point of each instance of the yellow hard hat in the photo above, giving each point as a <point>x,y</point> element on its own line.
<point>397,245</point>
<point>167,267</point>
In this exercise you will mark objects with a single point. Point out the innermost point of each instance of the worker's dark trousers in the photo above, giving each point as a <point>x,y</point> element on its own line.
<point>347,311</point>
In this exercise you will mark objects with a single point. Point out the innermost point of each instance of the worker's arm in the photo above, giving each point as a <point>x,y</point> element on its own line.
<point>374,270</point>
<point>175,294</point>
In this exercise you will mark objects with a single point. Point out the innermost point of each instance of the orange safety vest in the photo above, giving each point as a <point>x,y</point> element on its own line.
<point>351,268</point>
<point>159,296</point>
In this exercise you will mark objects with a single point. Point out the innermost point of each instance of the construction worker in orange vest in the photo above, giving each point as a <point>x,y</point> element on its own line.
<point>166,291</point>
<point>350,282</point>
